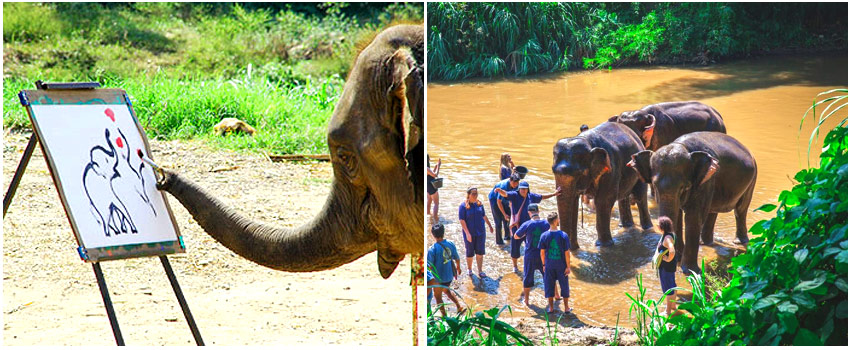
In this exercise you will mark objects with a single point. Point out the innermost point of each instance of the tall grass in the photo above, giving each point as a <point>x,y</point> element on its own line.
<point>278,67</point>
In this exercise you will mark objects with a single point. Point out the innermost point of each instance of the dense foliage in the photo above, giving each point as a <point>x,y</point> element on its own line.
<point>468,40</point>
<point>279,67</point>
<point>482,328</point>
<point>790,287</point>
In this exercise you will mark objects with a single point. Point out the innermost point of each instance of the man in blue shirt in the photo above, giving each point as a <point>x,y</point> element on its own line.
<point>499,207</point>
<point>519,212</point>
<point>555,255</point>
<point>530,231</point>
<point>444,264</point>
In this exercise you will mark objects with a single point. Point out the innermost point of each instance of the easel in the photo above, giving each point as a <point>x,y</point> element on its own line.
<point>98,273</point>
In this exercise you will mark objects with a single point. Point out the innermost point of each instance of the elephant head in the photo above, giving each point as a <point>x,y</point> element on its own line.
<point>640,121</point>
<point>675,173</point>
<point>577,167</point>
<point>376,145</point>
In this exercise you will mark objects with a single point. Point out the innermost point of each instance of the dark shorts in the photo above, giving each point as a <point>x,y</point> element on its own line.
<point>515,244</point>
<point>530,264</point>
<point>476,247</point>
<point>446,284</point>
<point>555,274</point>
<point>668,280</point>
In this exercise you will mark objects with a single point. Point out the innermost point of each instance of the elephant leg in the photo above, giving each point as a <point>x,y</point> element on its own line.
<point>708,229</point>
<point>693,226</point>
<point>626,220</point>
<point>604,206</point>
<point>639,193</point>
<point>741,216</point>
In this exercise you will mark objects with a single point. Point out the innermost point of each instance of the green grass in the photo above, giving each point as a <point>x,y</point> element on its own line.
<point>279,67</point>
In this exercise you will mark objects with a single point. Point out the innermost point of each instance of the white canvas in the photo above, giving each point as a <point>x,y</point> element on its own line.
<point>110,193</point>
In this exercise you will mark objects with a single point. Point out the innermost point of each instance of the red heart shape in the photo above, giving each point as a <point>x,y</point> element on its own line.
<point>119,142</point>
<point>110,114</point>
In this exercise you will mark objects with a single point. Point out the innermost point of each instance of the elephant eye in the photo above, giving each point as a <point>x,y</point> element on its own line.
<point>347,160</point>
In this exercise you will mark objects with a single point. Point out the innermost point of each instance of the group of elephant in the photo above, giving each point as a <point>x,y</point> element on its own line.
<point>682,150</point>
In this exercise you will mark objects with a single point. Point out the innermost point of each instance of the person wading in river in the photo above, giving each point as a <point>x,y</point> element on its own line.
<point>433,194</point>
<point>530,231</point>
<point>500,206</point>
<point>665,260</point>
<point>506,167</point>
<point>520,200</point>
<point>472,218</point>
<point>444,261</point>
<point>555,255</point>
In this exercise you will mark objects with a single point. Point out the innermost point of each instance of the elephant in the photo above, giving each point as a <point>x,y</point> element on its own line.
<point>697,176</point>
<point>594,163</point>
<point>375,139</point>
<point>660,124</point>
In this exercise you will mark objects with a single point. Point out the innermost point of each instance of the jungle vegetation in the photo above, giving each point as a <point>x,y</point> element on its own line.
<point>492,40</point>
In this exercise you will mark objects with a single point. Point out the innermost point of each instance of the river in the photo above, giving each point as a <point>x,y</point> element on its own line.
<point>471,123</point>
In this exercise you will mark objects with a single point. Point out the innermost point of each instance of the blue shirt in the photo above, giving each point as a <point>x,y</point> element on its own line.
<point>555,243</point>
<point>505,185</point>
<point>440,257</point>
<point>517,205</point>
<point>531,231</point>
<point>504,173</point>
<point>474,217</point>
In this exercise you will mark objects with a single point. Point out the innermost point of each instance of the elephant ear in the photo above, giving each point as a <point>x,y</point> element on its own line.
<point>600,164</point>
<point>406,104</point>
<point>640,164</point>
<point>704,166</point>
<point>648,130</point>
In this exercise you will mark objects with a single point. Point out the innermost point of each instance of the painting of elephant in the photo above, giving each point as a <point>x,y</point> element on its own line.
<point>112,179</point>
<point>375,139</point>
<point>594,163</point>
<point>697,176</point>
<point>661,123</point>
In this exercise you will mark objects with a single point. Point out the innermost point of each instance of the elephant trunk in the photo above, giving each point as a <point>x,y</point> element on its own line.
<point>331,239</point>
<point>568,208</point>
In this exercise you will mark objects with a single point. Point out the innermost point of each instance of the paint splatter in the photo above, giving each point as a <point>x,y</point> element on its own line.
<point>110,114</point>
<point>119,143</point>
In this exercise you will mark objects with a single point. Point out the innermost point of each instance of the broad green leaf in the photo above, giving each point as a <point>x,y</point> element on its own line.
<point>806,337</point>
<point>819,279</point>
<point>766,208</point>
<point>801,255</point>
<point>767,301</point>
<point>787,306</point>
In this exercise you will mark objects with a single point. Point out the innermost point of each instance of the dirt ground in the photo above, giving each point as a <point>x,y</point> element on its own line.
<point>51,297</point>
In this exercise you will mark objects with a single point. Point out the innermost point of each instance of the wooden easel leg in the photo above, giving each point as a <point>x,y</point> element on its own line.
<point>110,311</point>
<point>19,173</point>
<point>180,299</point>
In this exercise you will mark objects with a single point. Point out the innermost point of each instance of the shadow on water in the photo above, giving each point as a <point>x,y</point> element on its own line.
<point>728,79</point>
<point>632,249</point>
<point>486,285</point>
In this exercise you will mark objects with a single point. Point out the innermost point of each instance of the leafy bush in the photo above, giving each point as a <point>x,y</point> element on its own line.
<point>483,328</point>
<point>628,42</point>
<point>790,287</point>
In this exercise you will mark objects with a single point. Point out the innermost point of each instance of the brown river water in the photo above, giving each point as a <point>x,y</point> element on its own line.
<point>471,123</point>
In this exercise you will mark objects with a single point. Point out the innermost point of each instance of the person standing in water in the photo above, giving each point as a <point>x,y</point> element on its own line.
<point>506,167</point>
<point>555,255</point>
<point>520,200</point>
<point>667,266</point>
<point>500,206</point>
<point>444,261</point>
<point>433,195</point>
<point>472,218</point>
<point>531,231</point>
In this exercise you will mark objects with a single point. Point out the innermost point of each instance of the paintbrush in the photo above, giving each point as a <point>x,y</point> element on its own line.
<point>156,168</point>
